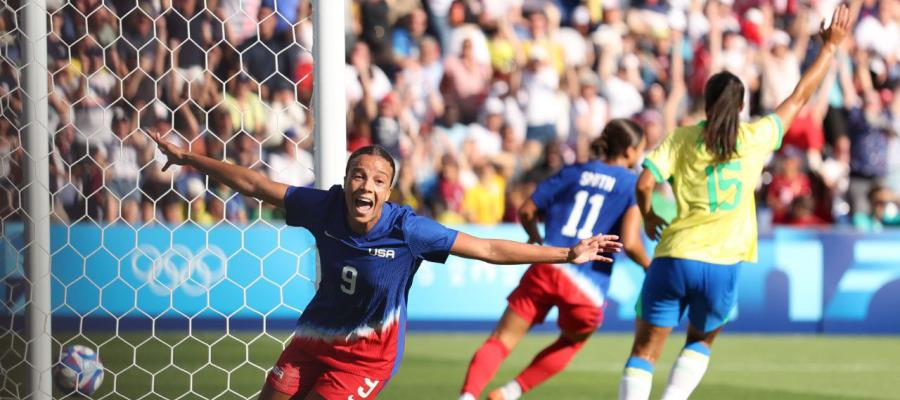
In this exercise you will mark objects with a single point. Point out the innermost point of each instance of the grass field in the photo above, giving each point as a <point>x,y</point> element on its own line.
<point>743,367</point>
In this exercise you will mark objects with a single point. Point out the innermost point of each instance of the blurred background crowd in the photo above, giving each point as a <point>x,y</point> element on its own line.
<point>478,99</point>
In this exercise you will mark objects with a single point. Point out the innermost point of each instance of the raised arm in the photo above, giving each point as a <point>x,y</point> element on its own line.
<point>499,251</point>
<point>244,180</point>
<point>831,38</point>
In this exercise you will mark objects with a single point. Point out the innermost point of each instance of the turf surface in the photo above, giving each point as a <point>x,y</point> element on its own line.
<point>743,367</point>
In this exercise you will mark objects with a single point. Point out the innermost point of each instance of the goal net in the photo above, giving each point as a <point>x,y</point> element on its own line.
<point>184,287</point>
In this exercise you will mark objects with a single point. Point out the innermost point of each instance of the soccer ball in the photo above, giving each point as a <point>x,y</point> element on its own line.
<point>79,370</point>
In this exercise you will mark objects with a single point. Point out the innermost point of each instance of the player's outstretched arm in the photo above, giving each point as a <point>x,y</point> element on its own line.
<point>831,38</point>
<point>499,251</point>
<point>244,180</point>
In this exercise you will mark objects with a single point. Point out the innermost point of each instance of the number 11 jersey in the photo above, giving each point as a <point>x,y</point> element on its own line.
<point>580,201</point>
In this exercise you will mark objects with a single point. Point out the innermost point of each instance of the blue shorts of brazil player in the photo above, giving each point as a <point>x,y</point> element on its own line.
<point>707,291</point>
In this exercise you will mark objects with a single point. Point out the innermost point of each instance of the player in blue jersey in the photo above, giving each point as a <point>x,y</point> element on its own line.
<point>714,167</point>
<point>349,339</point>
<point>578,202</point>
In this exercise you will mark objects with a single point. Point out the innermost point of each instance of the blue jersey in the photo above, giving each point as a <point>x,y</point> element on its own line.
<point>363,280</point>
<point>581,201</point>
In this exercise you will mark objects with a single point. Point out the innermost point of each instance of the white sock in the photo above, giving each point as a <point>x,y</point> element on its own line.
<point>467,396</point>
<point>687,372</point>
<point>511,390</point>
<point>637,380</point>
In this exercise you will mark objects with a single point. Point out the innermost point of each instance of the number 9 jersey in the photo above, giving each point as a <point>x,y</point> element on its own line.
<point>716,221</point>
<point>357,318</point>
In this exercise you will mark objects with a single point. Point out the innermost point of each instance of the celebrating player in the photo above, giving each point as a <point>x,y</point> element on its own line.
<point>578,202</point>
<point>349,339</point>
<point>714,168</point>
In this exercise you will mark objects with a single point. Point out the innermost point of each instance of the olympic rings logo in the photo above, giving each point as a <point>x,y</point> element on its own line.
<point>178,268</point>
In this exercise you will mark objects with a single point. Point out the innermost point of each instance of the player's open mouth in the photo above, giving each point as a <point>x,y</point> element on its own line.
<point>363,205</point>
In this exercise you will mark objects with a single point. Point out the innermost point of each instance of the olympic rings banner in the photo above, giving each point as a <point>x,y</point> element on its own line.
<point>805,280</point>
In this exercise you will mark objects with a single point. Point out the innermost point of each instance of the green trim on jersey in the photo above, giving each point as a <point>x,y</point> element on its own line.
<point>652,167</point>
<point>777,120</point>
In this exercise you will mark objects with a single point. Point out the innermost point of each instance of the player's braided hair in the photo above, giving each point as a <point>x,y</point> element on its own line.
<point>618,136</point>
<point>374,150</point>
<point>724,95</point>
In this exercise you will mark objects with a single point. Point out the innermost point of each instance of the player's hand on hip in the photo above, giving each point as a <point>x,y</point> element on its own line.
<point>654,225</point>
<point>174,154</point>
<point>593,248</point>
<point>840,26</point>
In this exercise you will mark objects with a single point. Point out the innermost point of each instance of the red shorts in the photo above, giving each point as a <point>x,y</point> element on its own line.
<point>544,286</point>
<point>297,373</point>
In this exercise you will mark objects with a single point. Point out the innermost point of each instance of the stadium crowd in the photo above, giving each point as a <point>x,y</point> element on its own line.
<point>477,99</point>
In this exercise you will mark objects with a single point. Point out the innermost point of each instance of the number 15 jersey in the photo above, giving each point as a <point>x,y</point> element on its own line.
<point>716,221</point>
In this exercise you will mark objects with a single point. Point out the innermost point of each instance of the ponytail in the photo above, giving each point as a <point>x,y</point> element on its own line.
<point>724,96</point>
<point>618,136</point>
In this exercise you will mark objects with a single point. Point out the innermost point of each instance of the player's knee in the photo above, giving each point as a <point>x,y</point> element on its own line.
<point>507,339</point>
<point>576,338</point>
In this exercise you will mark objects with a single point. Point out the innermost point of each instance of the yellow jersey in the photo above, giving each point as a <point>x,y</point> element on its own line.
<point>716,220</point>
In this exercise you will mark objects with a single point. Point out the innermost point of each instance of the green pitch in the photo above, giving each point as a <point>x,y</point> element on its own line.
<point>743,367</point>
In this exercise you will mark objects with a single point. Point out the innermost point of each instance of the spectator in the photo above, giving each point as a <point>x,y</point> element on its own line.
<point>377,32</point>
<point>407,39</point>
<point>123,172</point>
<point>542,33</point>
<point>620,90</point>
<point>450,187</point>
<point>485,202</point>
<point>518,106</point>
<point>590,113</point>
<point>803,213</point>
<point>539,84</point>
<point>264,57</point>
<point>462,31</point>
<point>95,91</point>
<point>782,68</point>
<point>247,111</point>
<point>885,211</point>
<point>241,19</point>
<point>285,114</point>
<point>419,84</point>
<point>226,204</point>
<point>388,130</point>
<point>366,83</point>
<point>287,13</point>
<point>466,81</point>
<point>406,191</point>
<point>835,174</point>
<point>869,130</point>
<point>487,135</point>
<point>291,165</point>
<point>787,185</point>
<point>192,30</point>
